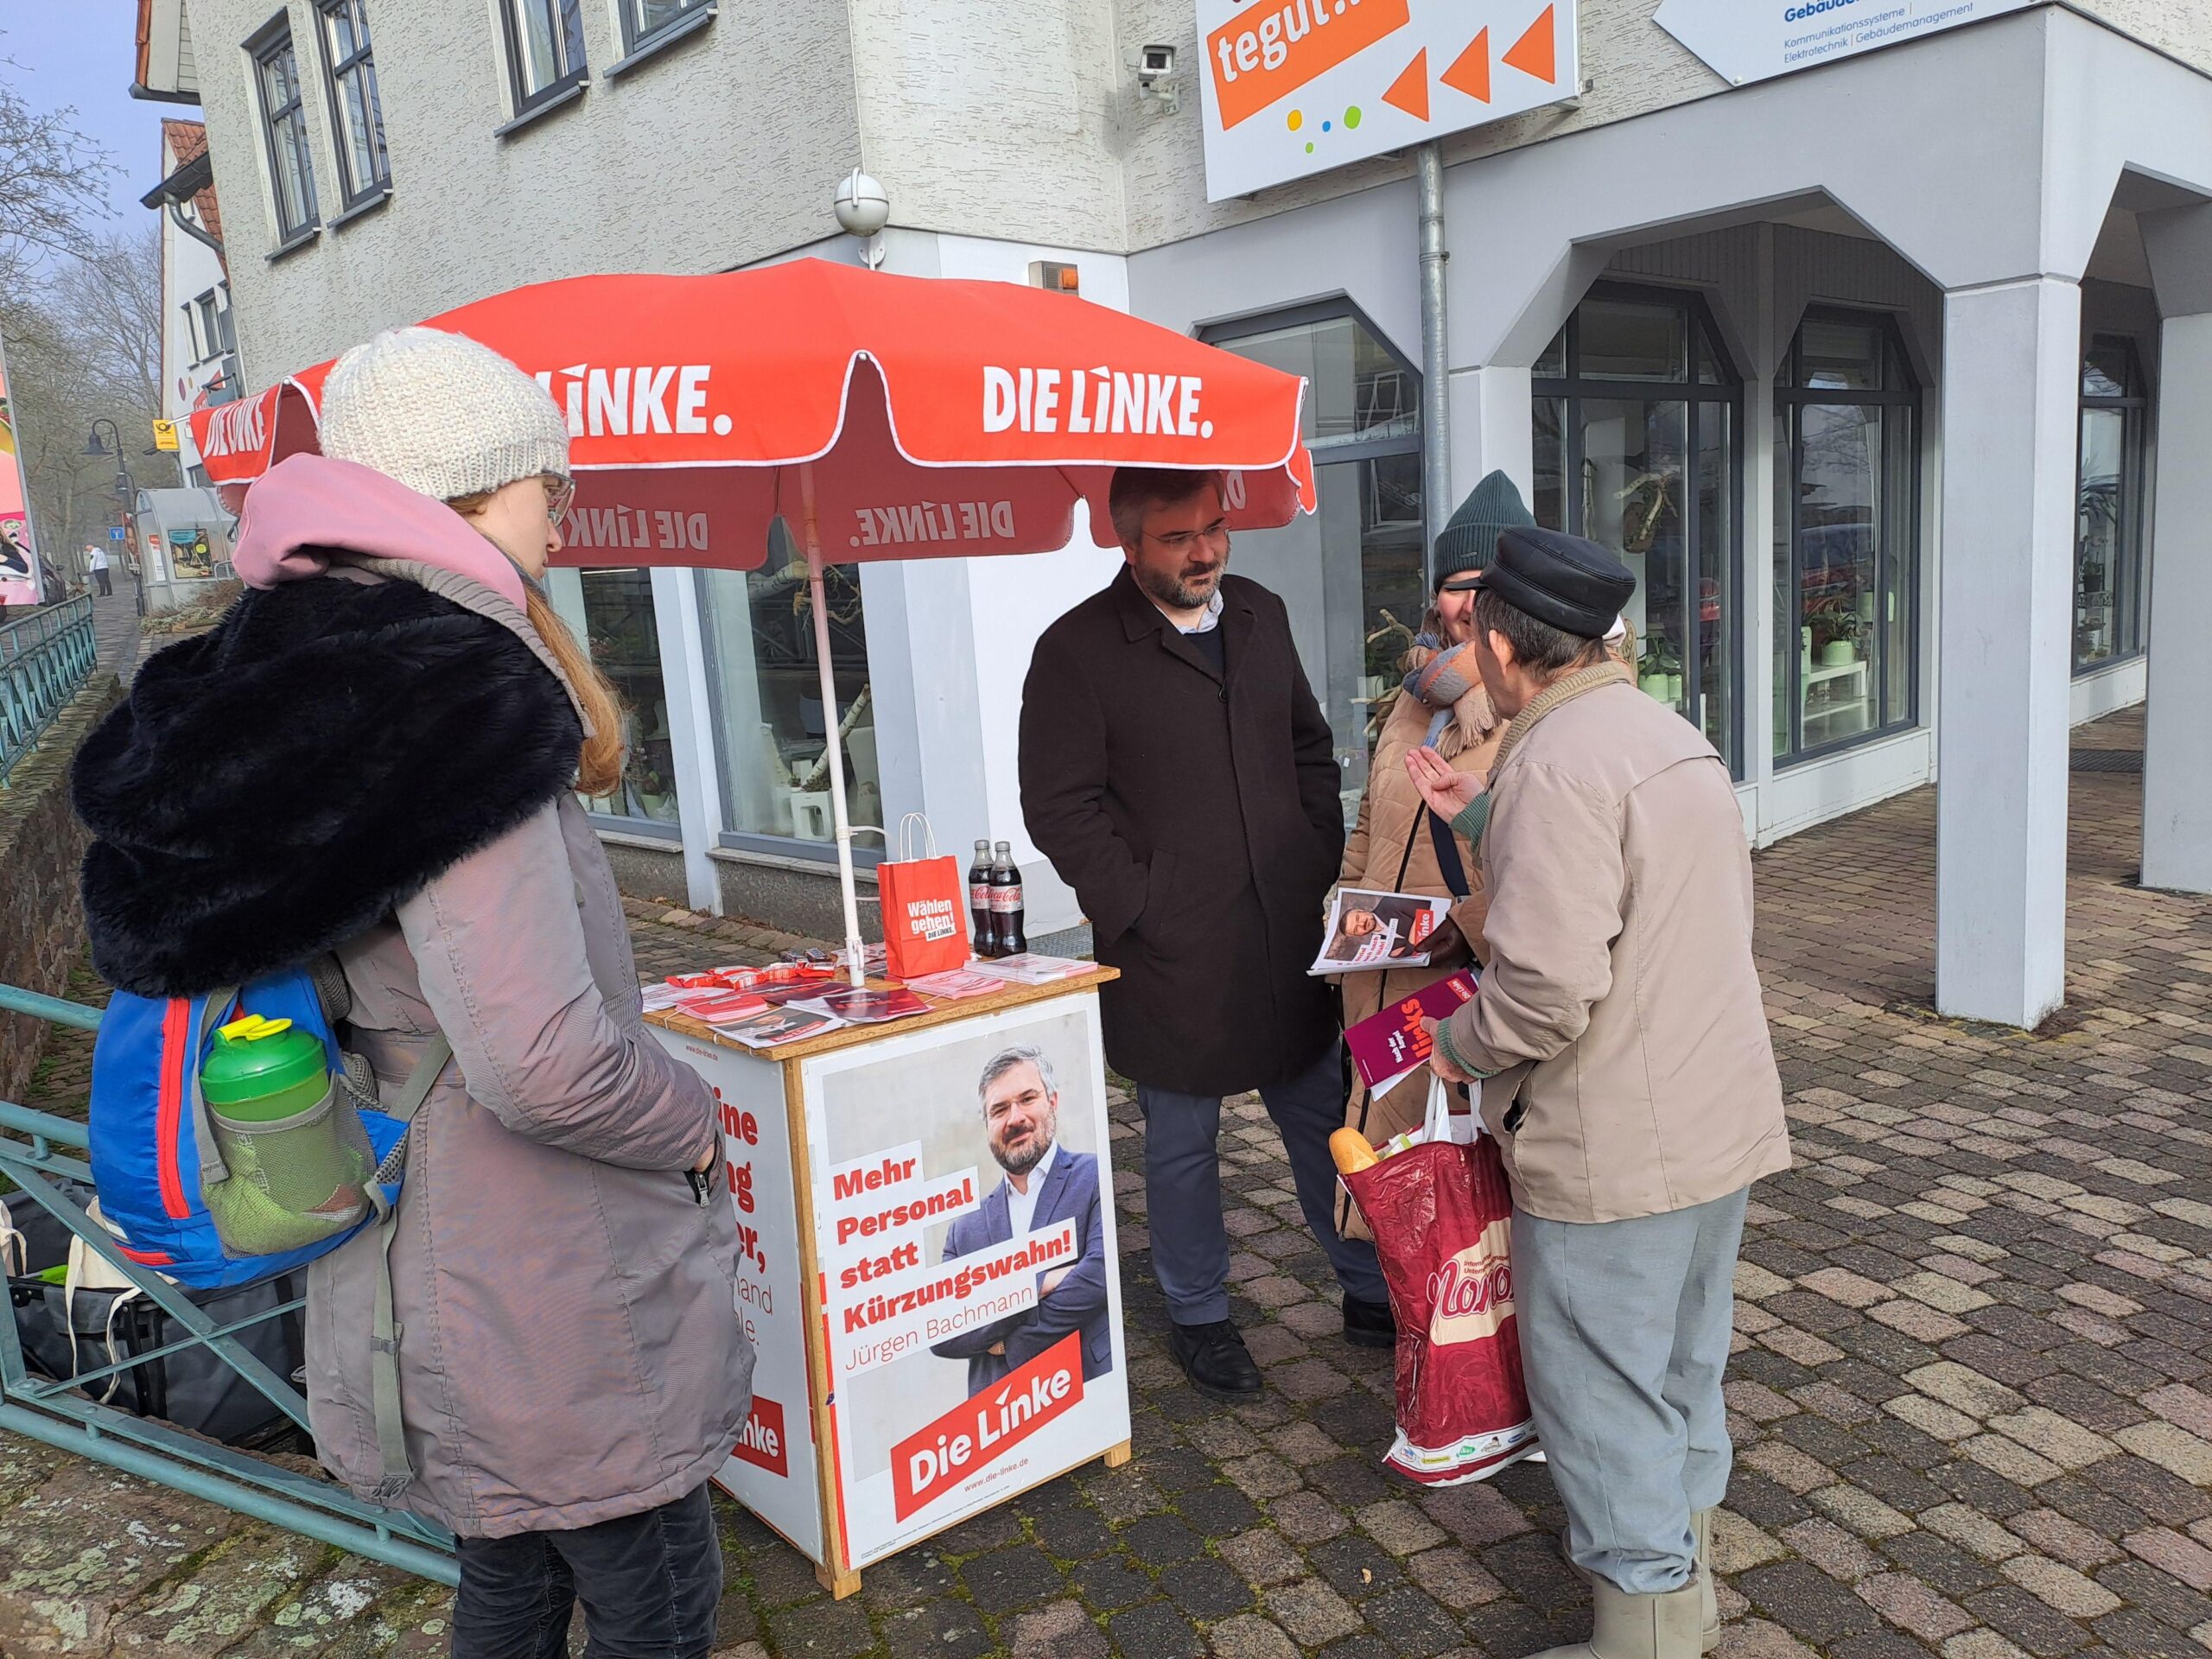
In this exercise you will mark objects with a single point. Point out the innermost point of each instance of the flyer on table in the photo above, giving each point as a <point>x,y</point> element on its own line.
<point>964,1220</point>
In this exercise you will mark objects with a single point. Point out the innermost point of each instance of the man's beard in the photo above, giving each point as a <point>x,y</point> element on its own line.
<point>1020,1163</point>
<point>1175,592</point>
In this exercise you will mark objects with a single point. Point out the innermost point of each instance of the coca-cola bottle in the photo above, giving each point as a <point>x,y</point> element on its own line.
<point>982,929</point>
<point>1006,914</point>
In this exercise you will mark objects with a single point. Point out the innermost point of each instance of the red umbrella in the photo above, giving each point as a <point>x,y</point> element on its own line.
<point>885,416</point>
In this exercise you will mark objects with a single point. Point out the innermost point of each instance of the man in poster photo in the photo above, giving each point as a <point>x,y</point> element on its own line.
<point>1045,1183</point>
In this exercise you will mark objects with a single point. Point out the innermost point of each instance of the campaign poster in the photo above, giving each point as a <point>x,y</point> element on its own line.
<point>19,579</point>
<point>773,1469</point>
<point>963,1213</point>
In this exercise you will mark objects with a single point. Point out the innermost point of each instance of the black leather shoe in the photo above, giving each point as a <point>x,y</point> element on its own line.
<point>1369,1325</point>
<point>1215,1358</point>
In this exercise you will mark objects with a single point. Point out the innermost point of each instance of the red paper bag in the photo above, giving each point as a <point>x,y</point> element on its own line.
<point>924,909</point>
<point>1442,1219</point>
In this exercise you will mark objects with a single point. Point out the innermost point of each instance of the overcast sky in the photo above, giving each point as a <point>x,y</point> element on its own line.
<point>82,53</point>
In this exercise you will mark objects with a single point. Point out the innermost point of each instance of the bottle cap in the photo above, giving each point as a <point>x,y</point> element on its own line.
<point>1005,846</point>
<point>253,1057</point>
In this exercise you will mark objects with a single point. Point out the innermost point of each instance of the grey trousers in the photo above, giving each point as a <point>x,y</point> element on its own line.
<point>1182,1188</point>
<point>1625,1334</point>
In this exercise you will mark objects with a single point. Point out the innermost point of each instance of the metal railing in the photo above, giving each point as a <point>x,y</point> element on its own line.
<point>45,660</point>
<point>38,1152</point>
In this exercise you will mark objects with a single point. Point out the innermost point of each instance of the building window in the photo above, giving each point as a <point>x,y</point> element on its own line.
<point>1846,470</point>
<point>2108,507</point>
<point>765,685</point>
<point>284,130</point>
<point>612,612</point>
<point>357,117</point>
<point>646,21</point>
<point>545,49</point>
<point>1354,575</point>
<point>1637,415</point>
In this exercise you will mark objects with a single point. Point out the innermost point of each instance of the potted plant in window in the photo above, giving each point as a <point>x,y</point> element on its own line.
<point>1836,635</point>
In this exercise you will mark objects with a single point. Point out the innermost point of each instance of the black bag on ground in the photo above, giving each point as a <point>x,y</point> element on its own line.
<point>193,1388</point>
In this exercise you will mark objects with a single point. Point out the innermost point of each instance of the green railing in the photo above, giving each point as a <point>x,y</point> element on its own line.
<point>45,660</point>
<point>45,1157</point>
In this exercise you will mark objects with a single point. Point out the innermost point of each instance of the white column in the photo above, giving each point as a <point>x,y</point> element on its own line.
<point>2177,785</point>
<point>690,733</point>
<point>2011,357</point>
<point>1491,431</point>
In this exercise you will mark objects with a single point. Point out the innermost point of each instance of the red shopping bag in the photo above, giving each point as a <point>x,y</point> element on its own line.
<point>924,907</point>
<point>1442,1219</point>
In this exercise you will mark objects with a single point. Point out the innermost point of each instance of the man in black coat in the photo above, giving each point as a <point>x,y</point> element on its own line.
<point>1177,772</point>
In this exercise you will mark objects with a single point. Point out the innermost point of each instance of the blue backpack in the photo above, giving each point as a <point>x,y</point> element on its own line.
<point>189,1193</point>
<point>203,1201</point>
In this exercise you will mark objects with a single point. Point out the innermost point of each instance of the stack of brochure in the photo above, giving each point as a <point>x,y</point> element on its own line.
<point>1029,969</point>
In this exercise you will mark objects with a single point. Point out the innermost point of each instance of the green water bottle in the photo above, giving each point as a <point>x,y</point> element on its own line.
<point>261,1071</point>
<point>296,1152</point>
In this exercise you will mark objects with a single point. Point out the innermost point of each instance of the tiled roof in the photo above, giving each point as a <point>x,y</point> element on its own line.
<point>187,141</point>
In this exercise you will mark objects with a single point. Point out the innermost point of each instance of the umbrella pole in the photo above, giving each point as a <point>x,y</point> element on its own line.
<point>847,886</point>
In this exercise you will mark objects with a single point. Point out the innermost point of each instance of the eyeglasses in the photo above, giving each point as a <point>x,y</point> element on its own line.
<point>1181,541</point>
<point>560,496</point>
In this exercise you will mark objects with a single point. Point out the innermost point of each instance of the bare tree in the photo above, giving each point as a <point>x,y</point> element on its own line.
<point>108,299</point>
<point>52,178</point>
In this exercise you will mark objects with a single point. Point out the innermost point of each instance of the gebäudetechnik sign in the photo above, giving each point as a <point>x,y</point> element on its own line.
<point>1294,87</point>
<point>1746,40</point>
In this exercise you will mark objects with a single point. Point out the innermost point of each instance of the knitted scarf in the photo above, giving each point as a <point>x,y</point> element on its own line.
<point>1475,818</point>
<point>1442,681</point>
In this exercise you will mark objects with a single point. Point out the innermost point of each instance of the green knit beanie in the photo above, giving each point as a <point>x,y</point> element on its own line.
<point>1470,540</point>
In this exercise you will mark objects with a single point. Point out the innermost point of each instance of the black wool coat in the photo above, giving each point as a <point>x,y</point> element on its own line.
<point>1197,818</point>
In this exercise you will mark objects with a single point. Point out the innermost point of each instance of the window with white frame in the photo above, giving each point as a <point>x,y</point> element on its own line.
<point>545,49</point>
<point>644,21</point>
<point>356,114</point>
<point>284,128</point>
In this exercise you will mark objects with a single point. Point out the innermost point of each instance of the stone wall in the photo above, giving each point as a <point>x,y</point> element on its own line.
<point>42,845</point>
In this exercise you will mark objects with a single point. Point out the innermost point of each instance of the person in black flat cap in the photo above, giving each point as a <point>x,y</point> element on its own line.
<point>1621,1047</point>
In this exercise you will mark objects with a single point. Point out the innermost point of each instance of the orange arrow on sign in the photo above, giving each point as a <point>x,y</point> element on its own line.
<point>1469,71</point>
<point>1536,53</point>
<point>1409,92</point>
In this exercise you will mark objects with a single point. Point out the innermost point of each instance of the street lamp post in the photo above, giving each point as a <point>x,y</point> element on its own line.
<point>126,491</point>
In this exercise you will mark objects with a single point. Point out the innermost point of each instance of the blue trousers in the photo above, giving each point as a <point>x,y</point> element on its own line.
<point>1182,1185</point>
<point>1624,1333</point>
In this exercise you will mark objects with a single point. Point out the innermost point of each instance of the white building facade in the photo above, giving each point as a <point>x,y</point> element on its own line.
<point>1889,377</point>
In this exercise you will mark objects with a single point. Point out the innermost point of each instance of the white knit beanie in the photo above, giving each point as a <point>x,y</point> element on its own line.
<point>442,414</point>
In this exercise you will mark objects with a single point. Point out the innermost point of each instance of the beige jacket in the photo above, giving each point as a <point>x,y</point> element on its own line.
<point>1391,850</point>
<point>1619,1019</point>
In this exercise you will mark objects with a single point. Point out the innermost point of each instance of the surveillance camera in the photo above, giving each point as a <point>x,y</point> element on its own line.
<point>1157,77</point>
<point>862,205</point>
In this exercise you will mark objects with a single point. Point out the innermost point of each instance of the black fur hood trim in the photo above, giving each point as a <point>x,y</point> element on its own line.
<point>273,788</point>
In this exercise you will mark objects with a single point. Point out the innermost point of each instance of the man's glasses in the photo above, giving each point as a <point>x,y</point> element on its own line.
<point>1182,540</point>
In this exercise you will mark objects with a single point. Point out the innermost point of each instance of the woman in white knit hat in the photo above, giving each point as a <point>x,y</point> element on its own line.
<point>377,754</point>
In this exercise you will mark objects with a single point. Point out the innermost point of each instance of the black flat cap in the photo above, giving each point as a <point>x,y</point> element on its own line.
<point>1575,585</point>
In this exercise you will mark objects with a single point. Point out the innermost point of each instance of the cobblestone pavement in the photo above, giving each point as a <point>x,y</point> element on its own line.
<point>1971,1390</point>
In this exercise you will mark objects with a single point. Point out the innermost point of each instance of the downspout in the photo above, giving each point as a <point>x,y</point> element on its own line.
<point>176,217</point>
<point>1435,357</point>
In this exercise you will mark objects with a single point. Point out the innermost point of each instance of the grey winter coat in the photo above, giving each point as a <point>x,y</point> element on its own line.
<point>570,1349</point>
<point>372,755</point>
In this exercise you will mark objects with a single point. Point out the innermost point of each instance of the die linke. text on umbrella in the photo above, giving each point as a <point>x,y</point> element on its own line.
<point>1100,400</point>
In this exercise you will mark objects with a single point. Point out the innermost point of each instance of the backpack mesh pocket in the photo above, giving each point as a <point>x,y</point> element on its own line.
<point>293,1182</point>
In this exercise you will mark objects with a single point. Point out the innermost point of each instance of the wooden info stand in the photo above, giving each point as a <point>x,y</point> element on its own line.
<point>920,1355</point>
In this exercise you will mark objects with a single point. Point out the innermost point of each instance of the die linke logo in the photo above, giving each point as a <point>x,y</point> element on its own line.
<point>760,1442</point>
<point>1470,1295</point>
<point>916,522</point>
<point>968,1439</point>
<point>627,402</point>
<point>1094,400</point>
<point>235,429</point>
